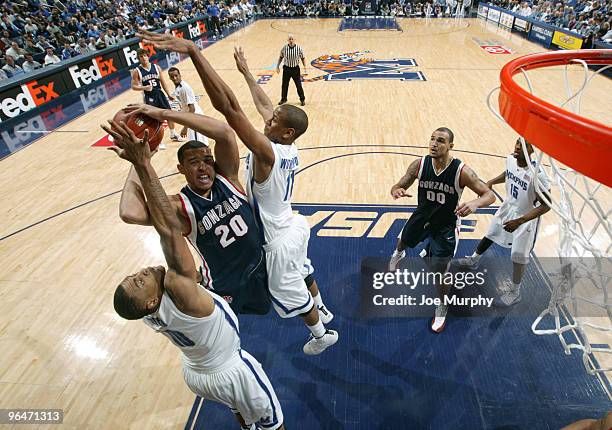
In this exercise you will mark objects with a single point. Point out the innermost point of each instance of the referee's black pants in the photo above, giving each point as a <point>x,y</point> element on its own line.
<point>292,73</point>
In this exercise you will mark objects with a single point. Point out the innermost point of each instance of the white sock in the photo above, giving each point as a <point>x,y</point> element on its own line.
<point>318,301</point>
<point>516,287</point>
<point>172,132</point>
<point>476,255</point>
<point>396,252</point>
<point>317,330</point>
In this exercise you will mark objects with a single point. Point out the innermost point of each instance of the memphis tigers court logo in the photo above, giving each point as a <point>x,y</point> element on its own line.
<point>356,65</point>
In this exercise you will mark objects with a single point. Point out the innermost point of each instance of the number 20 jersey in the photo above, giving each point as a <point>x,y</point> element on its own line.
<point>224,233</point>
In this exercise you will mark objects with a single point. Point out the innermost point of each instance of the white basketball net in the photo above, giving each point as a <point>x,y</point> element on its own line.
<point>580,307</point>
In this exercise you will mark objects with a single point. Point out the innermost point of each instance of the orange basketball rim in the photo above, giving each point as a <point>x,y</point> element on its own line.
<point>578,142</point>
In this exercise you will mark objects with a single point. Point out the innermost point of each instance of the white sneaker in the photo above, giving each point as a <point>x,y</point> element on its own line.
<point>315,345</point>
<point>510,298</point>
<point>469,262</point>
<point>396,257</point>
<point>324,314</point>
<point>505,287</point>
<point>162,146</point>
<point>438,322</point>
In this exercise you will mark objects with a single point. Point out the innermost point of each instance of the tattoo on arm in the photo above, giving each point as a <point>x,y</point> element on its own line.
<point>411,175</point>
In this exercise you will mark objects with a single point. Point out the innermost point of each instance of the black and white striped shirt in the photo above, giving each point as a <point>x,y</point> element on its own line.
<point>292,55</point>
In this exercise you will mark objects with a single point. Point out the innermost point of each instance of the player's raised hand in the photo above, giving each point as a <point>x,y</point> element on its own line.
<point>397,193</point>
<point>466,208</point>
<point>167,42</point>
<point>126,145</point>
<point>241,61</point>
<point>148,110</point>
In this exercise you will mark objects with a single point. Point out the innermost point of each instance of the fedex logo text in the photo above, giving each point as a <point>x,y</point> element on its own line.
<point>32,94</point>
<point>99,69</point>
<point>196,29</point>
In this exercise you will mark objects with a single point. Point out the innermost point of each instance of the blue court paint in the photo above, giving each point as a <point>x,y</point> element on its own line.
<point>393,373</point>
<point>369,23</point>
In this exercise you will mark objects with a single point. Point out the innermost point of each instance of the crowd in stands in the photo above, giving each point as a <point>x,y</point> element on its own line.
<point>40,33</point>
<point>590,18</point>
<point>390,8</point>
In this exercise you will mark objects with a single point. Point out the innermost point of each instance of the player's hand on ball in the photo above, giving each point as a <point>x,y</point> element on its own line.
<point>465,209</point>
<point>166,41</point>
<point>397,193</point>
<point>148,110</point>
<point>126,145</point>
<point>512,225</point>
<point>241,61</point>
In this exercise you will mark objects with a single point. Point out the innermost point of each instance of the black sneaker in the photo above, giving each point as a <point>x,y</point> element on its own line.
<point>282,102</point>
<point>303,102</point>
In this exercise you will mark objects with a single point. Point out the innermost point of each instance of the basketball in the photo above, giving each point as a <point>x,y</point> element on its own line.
<point>139,123</point>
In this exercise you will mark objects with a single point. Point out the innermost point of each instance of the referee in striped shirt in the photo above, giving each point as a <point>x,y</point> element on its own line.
<point>291,54</point>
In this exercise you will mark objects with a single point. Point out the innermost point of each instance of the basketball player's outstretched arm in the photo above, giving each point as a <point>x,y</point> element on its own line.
<point>401,188</point>
<point>262,101</point>
<point>180,279</point>
<point>222,98</point>
<point>499,179</point>
<point>470,179</point>
<point>227,155</point>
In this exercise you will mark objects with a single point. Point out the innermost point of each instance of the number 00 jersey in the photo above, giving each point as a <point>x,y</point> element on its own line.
<point>439,194</point>
<point>224,232</point>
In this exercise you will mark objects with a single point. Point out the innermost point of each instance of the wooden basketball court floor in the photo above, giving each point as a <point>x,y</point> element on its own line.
<point>63,346</point>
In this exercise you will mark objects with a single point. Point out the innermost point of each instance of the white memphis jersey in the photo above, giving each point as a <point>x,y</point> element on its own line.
<point>271,200</point>
<point>208,344</point>
<point>521,195</point>
<point>185,95</point>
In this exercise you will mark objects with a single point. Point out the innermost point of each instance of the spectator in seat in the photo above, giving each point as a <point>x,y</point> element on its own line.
<point>68,52</point>
<point>15,51</point>
<point>29,64</point>
<point>11,68</point>
<point>51,58</point>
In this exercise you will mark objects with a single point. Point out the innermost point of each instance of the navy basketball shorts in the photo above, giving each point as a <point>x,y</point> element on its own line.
<point>441,243</point>
<point>157,99</point>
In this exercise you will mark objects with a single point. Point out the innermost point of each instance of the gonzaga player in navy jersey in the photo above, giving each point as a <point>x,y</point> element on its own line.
<point>286,236</point>
<point>516,222</point>
<point>441,180</point>
<point>197,321</point>
<point>148,78</point>
<point>213,211</point>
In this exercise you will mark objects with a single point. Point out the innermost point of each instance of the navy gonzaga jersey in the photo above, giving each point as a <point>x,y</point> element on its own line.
<point>439,194</point>
<point>224,232</point>
<point>150,77</point>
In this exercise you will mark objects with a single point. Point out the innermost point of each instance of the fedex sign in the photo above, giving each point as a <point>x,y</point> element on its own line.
<point>29,95</point>
<point>196,29</point>
<point>96,69</point>
<point>130,52</point>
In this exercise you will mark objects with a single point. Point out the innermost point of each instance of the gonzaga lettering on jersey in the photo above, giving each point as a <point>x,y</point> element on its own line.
<point>224,232</point>
<point>439,193</point>
<point>150,77</point>
<point>208,344</point>
<point>271,199</point>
